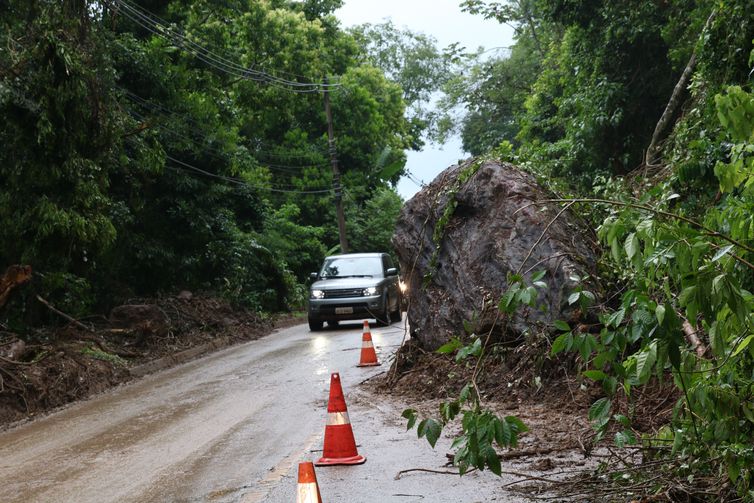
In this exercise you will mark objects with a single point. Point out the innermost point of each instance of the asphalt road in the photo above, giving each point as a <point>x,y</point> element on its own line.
<point>232,427</point>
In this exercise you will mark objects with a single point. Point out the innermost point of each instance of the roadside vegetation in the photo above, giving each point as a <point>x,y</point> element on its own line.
<point>639,116</point>
<point>150,147</point>
<point>154,147</point>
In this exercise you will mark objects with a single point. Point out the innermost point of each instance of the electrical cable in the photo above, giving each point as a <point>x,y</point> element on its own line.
<point>221,155</point>
<point>157,26</point>
<point>155,20</point>
<point>238,181</point>
<point>153,106</point>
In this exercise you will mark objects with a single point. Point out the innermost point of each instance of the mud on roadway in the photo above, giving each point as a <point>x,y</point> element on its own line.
<point>555,458</point>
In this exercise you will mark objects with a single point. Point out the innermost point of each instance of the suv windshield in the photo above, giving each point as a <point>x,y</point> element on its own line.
<point>351,267</point>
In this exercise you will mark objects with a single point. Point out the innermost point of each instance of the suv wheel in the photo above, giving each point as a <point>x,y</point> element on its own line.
<point>383,319</point>
<point>315,325</point>
<point>398,308</point>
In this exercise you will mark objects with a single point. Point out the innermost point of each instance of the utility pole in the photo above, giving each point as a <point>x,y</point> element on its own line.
<point>335,173</point>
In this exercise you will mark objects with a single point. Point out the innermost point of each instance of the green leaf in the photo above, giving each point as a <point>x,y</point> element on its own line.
<point>625,437</point>
<point>721,253</point>
<point>674,354</point>
<point>748,412</point>
<point>631,245</point>
<point>660,313</point>
<point>411,415</point>
<point>733,471</point>
<point>616,318</point>
<point>622,420</point>
<point>517,424</point>
<point>687,295</point>
<point>562,343</point>
<point>391,169</point>
<point>493,460</point>
<point>431,429</point>
<point>574,298</point>
<point>615,249</point>
<point>594,375</point>
<point>562,326</point>
<point>449,347</point>
<point>645,360</point>
<point>474,349</point>
<point>600,409</point>
<point>449,410</point>
<point>609,385</point>
<point>506,301</point>
<point>538,275</point>
<point>743,345</point>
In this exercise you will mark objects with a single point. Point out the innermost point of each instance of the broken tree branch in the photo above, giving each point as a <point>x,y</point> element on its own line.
<point>673,105</point>
<point>427,470</point>
<point>691,337</point>
<point>62,314</point>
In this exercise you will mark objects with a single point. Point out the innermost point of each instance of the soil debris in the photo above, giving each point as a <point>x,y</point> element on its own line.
<point>559,457</point>
<point>55,366</point>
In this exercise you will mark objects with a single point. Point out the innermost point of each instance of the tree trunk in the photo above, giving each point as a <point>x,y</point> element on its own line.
<point>673,105</point>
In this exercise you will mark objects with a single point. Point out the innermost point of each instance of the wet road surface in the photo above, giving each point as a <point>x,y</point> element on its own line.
<point>232,427</point>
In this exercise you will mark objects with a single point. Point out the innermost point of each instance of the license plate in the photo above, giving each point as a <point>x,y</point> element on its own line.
<point>343,310</point>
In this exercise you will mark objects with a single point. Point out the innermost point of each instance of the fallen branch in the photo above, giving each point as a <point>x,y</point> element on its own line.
<point>705,230</point>
<point>427,470</point>
<point>673,104</point>
<point>693,340</point>
<point>526,452</point>
<point>14,362</point>
<point>372,377</point>
<point>61,313</point>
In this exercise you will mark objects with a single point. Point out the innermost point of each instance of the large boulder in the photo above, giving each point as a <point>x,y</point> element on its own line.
<point>456,261</point>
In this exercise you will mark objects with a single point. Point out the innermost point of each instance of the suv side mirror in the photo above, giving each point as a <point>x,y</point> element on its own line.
<point>391,272</point>
<point>313,276</point>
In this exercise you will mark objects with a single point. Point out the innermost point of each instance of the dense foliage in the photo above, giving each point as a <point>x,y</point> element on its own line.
<point>642,113</point>
<point>151,147</point>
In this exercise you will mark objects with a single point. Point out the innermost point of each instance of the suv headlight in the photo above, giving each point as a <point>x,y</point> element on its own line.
<point>317,294</point>
<point>369,292</point>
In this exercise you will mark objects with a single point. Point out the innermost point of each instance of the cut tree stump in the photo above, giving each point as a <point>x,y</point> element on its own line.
<point>14,275</point>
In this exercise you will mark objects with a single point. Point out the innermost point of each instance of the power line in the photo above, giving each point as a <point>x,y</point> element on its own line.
<point>156,107</point>
<point>159,27</point>
<point>233,180</point>
<point>221,155</point>
<point>238,181</point>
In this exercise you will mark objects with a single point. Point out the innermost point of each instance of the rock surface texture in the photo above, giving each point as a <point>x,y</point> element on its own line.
<point>457,261</point>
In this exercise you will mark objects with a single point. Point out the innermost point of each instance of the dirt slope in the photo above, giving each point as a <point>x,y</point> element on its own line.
<point>55,366</point>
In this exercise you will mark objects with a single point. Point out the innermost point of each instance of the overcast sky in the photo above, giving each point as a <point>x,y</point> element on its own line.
<point>444,20</point>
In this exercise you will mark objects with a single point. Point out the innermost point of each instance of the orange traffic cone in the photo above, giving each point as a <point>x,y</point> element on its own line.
<point>308,490</point>
<point>340,446</point>
<point>368,355</point>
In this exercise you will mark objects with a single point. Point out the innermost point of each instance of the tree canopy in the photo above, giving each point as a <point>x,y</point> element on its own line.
<point>156,146</point>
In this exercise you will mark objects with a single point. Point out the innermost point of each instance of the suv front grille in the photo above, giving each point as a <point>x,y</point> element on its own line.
<point>343,294</point>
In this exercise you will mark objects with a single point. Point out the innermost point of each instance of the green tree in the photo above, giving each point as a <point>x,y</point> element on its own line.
<point>413,61</point>
<point>60,135</point>
<point>372,224</point>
